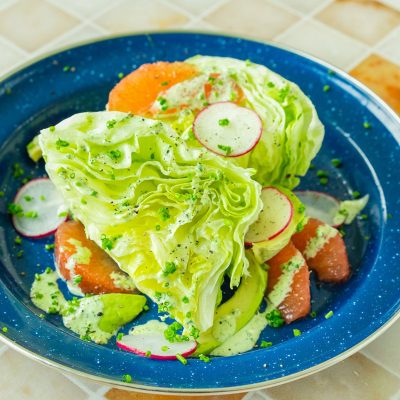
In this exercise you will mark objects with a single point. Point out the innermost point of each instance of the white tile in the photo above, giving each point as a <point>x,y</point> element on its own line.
<point>83,8</point>
<point>392,3</point>
<point>390,48</point>
<point>195,7</point>
<point>9,56</point>
<point>304,6</point>
<point>321,41</point>
<point>88,386</point>
<point>385,350</point>
<point>83,33</point>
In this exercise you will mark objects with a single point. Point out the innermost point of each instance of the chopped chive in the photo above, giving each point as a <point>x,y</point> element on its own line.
<point>49,246</point>
<point>126,378</point>
<point>146,307</point>
<point>342,232</point>
<point>164,213</point>
<point>223,122</point>
<point>111,123</point>
<point>336,162</point>
<point>271,84</point>
<point>313,314</point>
<point>322,174</point>
<point>389,216</point>
<point>28,198</point>
<point>17,170</point>
<point>170,268</point>
<point>226,149</point>
<point>329,314</point>
<point>61,143</point>
<point>185,299</point>
<point>326,88</point>
<point>18,240</point>
<point>312,166</point>
<point>42,198</point>
<point>296,332</point>
<point>66,68</point>
<point>158,227</point>
<point>2,194</point>
<point>164,348</point>
<point>77,279</point>
<point>364,217</point>
<point>4,329</point>
<point>265,344</point>
<point>356,194</point>
<point>120,336</point>
<point>148,353</point>
<point>20,254</point>
<point>181,359</point>
<point>165,83</point>
<point>120,75</point>
<point>330,72</point>
<point>15,209</point>
<point>366,125</point>
<point>48,270</point>
<point>323,181</point>
<point>62,214</point>
<point>31,214</point>
<point>204,358</point>
<point>52,128</point>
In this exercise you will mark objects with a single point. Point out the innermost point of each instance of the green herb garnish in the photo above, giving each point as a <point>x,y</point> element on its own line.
<point>126,378</point>
<point>275,319</point>
<point>329,314</point>
<point>223,122</point>
<point>226,149</point>
<point>170,268</point>
<point>61,143</point>
<point>336,162</point>
<point>296,332</point>
<point>164,213</point>
<point>265,344</point>
<point>181,359</point>
<point>204,358</point>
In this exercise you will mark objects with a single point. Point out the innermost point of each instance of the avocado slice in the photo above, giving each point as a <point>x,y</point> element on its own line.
<point>34,150</point>
<point>236,312</point>
<point>119,309</point>
<point>97,318</point>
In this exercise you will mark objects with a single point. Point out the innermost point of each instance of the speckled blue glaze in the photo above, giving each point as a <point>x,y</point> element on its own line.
<point>42,94</point>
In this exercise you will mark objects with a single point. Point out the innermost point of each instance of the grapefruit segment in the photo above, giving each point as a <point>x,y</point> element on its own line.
<point>79,257</point>
<point>137,91</point>
<point>329,260</point>
<point>297,302</point>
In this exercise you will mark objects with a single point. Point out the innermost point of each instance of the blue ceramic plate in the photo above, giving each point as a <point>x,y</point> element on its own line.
<point>43,93</point>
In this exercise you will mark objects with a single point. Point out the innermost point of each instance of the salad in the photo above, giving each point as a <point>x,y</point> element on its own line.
<point>181,193</point>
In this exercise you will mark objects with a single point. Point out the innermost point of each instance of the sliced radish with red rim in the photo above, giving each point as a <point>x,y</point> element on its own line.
<point>155,345</point>
<point>228,129</point>
<point>319,205</point>
<point>41,209</point>
<point>274,218</point>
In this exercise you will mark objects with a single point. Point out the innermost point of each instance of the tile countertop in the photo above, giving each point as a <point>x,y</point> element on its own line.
<point>359,36</point>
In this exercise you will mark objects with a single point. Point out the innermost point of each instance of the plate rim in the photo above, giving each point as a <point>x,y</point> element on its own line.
<point>228,389</point>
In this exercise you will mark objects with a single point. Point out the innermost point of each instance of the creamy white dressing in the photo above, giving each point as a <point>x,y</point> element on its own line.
<point>149,327</point>
<point>84,320</point>
<point>224,327</point>
<point>122,281</point>
<point>45,293</point>
<point>283,286</point>
<point>191,92</point>
<point>246,338</point>
<point>324,233</point>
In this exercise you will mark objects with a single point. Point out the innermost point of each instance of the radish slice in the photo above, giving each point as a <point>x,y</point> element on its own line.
<point>228,129</point>
<point>43,209</point>
<point>319,205</point>
<point>154,345</point>
<point>274,217</point>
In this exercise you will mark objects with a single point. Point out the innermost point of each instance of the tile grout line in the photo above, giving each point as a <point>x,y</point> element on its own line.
<point>374,49</point>
<point>305,18</point>
<point>76,382</point>
<point>210,9</point>
<point>177,8</point>
<point>10,43</point>
<point>60,6</point>
<point>380,364</point>
<point>287,8</point>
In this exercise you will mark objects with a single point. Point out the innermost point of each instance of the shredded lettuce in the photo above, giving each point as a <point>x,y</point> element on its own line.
<point>172,217</point>
<point>292,132</point>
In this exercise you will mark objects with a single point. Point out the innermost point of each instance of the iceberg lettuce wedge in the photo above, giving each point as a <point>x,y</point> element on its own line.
<point>292,132</point>
<point>172,217</point>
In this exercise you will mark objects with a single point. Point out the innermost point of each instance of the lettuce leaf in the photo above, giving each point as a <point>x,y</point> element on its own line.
<point>292,132</point>
<point>172,217</point>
